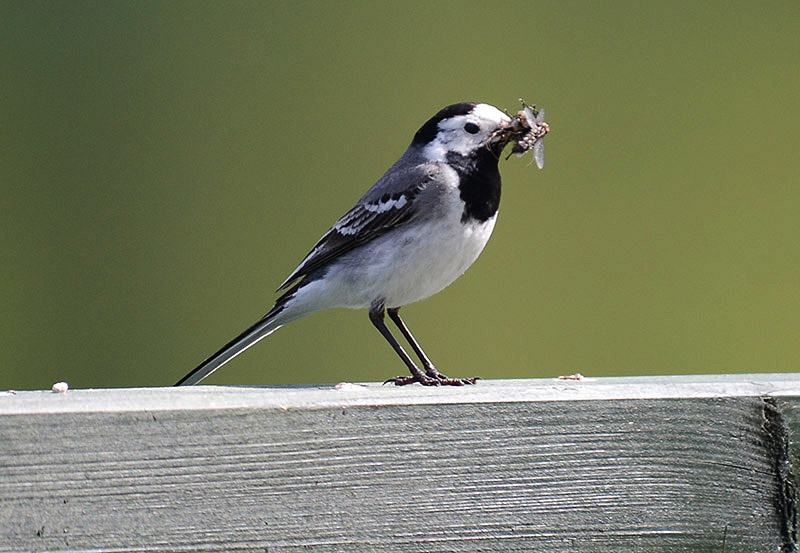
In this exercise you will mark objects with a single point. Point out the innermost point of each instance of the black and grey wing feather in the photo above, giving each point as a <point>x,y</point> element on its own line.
<point>390,203</point>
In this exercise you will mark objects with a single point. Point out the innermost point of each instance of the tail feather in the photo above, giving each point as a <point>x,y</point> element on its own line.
<point>261,329</point>
<point>292,305</point>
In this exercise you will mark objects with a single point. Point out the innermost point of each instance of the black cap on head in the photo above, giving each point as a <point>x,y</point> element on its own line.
<point>428,131</point>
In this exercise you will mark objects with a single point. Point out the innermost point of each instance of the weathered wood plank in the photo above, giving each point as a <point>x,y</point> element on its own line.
<point>674,464</point>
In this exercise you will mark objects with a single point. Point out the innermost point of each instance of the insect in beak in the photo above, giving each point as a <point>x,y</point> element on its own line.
<point>530,127</point>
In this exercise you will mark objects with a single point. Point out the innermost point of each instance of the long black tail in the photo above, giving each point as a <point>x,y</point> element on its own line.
<point>263,328</point>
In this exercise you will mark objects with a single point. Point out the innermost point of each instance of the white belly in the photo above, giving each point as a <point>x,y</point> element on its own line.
<point>400,267</point>
<point>427,260</point>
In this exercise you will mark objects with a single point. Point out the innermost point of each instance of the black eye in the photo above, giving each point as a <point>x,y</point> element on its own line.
<point>472,128</point>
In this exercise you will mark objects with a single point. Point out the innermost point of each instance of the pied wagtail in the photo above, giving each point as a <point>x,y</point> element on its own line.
<point>412,234</point>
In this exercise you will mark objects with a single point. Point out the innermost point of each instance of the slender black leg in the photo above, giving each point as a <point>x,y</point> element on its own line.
<point>376,313</point>
<point>427,364</point>
<point>430,370</point>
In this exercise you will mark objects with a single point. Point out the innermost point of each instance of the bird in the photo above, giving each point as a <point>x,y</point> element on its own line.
<point>413,233</point>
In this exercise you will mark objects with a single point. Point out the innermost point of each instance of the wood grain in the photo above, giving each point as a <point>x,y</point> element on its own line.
<point>593,467</point>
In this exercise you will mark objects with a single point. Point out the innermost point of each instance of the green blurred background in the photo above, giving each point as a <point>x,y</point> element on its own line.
<point>166,164</point>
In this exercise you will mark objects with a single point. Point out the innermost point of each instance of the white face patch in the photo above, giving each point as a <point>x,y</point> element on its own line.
<point>490,113</point>
<point>453,135</point>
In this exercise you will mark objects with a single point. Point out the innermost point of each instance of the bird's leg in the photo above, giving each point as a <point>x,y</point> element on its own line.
<point>376,313</point>
<point>427,364</point>
<point>430,370</point>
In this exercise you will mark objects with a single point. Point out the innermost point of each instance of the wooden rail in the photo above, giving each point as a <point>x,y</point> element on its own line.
<point>649,464</point>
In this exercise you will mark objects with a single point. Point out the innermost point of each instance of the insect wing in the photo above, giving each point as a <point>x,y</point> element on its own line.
<point>530,116</point>
<point>540,116</point>
<point>538,152</point>
<point>538,146</point>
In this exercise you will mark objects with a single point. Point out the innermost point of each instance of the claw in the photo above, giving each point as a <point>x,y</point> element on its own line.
<point>405,380</point>
<point>432,380</point>
<point>447,381</point>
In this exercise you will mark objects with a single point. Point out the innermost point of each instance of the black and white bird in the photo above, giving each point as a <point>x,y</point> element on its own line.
<point>412,234</point>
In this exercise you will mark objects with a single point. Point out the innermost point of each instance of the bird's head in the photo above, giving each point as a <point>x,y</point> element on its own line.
<point>467,129</point>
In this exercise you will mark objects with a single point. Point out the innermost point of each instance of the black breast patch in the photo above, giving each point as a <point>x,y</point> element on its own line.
<point>479,184</point>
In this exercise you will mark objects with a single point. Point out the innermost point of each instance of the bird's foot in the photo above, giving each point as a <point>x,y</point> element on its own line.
<point>432,378</point>
<point>446,380</point>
